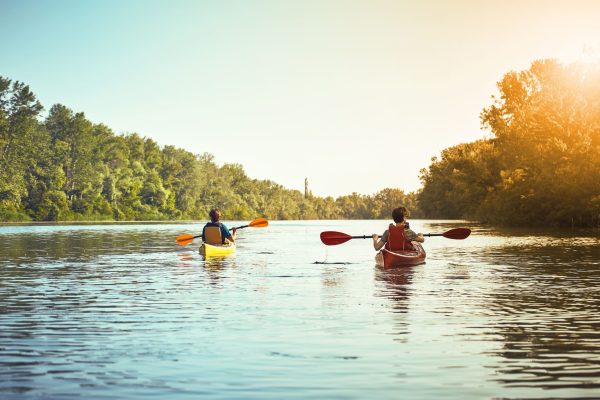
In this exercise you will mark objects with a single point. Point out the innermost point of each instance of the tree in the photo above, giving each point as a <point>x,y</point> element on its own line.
<point>19,138</point>
<point>68,168</point>
<point>541,167</point>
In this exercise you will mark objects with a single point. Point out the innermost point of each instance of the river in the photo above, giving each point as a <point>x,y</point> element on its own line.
<point>120,311</point>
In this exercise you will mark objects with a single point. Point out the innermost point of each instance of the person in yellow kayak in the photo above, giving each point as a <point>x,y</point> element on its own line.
<point>398,236</point>
<point>215,232</point>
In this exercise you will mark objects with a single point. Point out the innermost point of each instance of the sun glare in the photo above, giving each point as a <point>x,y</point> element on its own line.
<point>589,54</point>
<point>586,53</point>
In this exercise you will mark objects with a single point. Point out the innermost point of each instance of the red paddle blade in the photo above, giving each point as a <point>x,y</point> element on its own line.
<point>457,233</point>
<point>184,239</point>
<point>259,223</point>
<point>332,238</point>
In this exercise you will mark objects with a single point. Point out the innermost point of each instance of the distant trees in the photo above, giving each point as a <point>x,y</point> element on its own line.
<point>67,168</point>
<point>542,167</point>
<point>378,206</point>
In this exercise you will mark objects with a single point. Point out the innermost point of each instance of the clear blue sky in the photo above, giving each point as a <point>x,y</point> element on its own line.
<point>355,95</point>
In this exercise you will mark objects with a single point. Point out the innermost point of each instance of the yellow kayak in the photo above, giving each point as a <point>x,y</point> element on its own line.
<point>209,250</point>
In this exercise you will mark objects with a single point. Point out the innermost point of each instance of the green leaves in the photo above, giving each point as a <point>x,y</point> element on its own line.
<point>68,168</point>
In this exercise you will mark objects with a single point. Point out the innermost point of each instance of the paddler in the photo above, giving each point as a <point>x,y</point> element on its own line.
<point>398,235</point>
<point>215,232</point>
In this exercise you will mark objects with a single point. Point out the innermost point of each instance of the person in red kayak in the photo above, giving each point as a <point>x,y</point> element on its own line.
<point>215,232</point>
<point>401,234</point>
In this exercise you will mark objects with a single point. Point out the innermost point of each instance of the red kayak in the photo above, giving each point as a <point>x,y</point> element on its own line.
<point>391,259</point>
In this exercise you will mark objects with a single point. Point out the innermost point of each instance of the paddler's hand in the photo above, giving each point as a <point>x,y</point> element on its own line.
<point>377,244</point>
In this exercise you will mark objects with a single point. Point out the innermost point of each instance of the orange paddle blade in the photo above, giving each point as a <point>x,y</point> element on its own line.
<point>259,223</point>
<point>185,239</point>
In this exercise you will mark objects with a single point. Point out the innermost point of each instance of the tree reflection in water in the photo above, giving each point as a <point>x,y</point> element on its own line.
<point>545,301</point>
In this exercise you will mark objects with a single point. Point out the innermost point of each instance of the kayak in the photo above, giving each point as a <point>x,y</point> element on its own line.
<point>390,259</point>
<point>209,250</point>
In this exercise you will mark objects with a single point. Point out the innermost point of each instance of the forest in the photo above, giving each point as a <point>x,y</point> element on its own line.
<point>64,167</point>
<point>540,166</point>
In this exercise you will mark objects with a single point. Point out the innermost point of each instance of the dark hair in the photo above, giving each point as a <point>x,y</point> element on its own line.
<point>215,215</point>
<point>399,214</point>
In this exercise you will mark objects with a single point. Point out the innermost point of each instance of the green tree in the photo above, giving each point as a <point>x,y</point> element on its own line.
<point>67,168</point>
<point>74,144</point>
<point>20,135</point>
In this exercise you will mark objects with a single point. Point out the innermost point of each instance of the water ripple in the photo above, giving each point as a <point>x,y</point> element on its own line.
<point>120,311</point>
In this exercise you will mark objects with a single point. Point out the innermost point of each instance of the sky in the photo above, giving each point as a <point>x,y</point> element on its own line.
<point>356,96</point>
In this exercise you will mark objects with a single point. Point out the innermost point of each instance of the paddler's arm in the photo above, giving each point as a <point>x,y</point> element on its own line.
<point>411,235</point>
<point>229,235</point>
<point>377,244</point>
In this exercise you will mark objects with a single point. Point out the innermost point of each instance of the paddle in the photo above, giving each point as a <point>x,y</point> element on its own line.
<point>456,233</point>
<point>186,238</point>
<point>331,238</point>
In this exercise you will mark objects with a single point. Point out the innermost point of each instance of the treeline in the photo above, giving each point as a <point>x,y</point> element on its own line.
<point>542,165</point>
<point>65,168</point>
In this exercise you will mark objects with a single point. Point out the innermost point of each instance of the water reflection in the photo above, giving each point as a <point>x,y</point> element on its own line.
<point>77,245</point>
<point>212,266</point>
<point>215,265</point>
<point>186,257</point>
<point>332,275</point>
<point>544,302</point>
<point>396,288</point>
<point>124,312</point>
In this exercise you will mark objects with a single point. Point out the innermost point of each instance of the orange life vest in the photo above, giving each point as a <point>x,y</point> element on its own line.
<point>212,235</point>
<point>397,239</point>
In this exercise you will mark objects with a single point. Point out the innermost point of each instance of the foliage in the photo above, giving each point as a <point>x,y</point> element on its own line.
<point>66,168</point>
<point>540,167</point>
<point>543,163</point>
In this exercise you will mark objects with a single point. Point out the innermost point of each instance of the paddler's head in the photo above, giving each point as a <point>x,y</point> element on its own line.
<point>215,215</point>
<point>399,214</point>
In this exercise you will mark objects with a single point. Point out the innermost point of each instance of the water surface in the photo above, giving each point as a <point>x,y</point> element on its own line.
<point>120,311</point>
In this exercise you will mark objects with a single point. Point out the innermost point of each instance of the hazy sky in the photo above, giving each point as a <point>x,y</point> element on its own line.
<point>354,95</point>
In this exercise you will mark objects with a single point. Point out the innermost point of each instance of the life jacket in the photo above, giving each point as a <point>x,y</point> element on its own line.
<point>397,239</point>
<point>212,234</point>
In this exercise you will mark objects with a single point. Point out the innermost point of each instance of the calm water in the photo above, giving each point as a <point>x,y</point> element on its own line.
<point>121,311</point>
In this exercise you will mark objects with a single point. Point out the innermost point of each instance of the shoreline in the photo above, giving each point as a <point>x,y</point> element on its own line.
<point>191,221</point>
<point>148,222</point>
